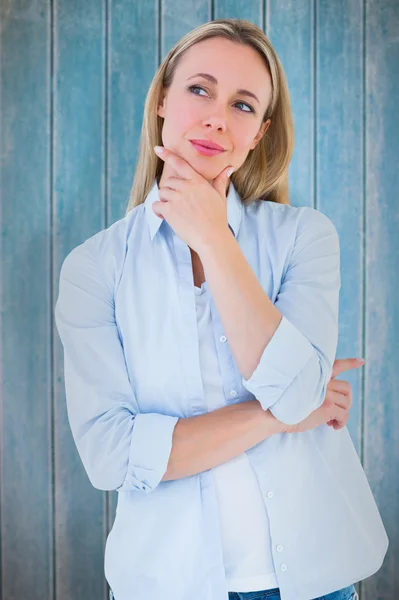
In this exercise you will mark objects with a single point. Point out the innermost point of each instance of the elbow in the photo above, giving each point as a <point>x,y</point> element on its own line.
<point>106,471</point>
<point>305,394</point>
<point>126,479</point>
<point>103,478</point>
<point>103,483</point>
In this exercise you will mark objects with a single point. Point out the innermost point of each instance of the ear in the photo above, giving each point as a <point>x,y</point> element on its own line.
<point>161,107</point>
<point>264,127</point>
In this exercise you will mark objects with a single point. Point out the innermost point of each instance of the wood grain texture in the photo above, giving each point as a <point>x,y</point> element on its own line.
<point>290,27</point>
<point>25,305</point>
<point>381,416</point>
<point>73,80</point>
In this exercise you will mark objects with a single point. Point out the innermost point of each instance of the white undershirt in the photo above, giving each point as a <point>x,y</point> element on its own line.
<point>244,521</point>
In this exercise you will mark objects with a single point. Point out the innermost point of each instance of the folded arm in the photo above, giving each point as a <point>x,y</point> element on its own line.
<point>285,351</point>
<point>120,448</point>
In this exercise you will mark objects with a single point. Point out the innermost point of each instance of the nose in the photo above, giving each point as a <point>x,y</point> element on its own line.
<point>215,122</point>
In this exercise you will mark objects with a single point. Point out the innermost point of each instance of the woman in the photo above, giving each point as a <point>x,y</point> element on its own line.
<point>199,337</point>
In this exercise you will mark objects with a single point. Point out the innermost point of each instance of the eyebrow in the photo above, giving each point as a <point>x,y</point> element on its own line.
<point>213,80</point>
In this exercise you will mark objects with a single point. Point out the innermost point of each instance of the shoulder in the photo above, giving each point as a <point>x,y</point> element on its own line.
<point>102,255</point>
<point>290,223</point>
<point>286,214</point>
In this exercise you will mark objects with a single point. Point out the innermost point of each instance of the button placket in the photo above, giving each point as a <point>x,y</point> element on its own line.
<point>225,358</point>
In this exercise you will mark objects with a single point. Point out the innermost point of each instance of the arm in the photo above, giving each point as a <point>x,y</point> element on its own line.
<point>284,351</point>
<point>120,448</point>
<point>208,440</point>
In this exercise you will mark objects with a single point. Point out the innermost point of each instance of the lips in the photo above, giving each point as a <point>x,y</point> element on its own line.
<point>208,144</point>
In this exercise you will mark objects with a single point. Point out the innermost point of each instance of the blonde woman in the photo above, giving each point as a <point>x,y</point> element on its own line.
<point>200,334</point>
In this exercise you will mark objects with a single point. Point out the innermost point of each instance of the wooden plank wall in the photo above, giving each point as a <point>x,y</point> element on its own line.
<point>74,76</point>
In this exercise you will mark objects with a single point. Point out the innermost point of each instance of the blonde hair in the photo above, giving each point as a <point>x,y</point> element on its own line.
<point>264,173</point>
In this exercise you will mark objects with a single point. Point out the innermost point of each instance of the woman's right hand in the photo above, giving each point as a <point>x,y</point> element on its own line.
<point>335,409</point>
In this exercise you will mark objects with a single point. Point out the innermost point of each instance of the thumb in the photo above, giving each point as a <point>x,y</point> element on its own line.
<point>220,182</point>
<point>345,364</point>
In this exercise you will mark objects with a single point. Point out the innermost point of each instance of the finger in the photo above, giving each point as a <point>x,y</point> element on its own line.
<point>166,194</point>
<point>181,166</point>
<point>173,183</point>
<point>335,425</point>
<point>339,399</point>
<point>339,385</point>
<point>340,417</point>
<point>161,207</point>
<point>345,364</point>
<point>220,182</point>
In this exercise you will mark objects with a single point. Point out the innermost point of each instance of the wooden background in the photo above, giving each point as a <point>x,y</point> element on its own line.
<point>74,76</point>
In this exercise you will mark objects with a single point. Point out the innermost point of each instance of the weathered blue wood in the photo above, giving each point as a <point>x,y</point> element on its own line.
<point>79,211</point>
<point>339,169</point>
<point>71,112</point>
<point>178,18</point>
<point>25,304</point>
<point>236,9</point>
<point>289,25</point>
<point>133,60</point>
<point>381,418</point>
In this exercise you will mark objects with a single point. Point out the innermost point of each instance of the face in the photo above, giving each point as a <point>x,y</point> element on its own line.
<point>196,108</point>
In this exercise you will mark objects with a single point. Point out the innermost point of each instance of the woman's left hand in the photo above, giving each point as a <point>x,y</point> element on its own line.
<point>338,387</point>
<point>194,208</point>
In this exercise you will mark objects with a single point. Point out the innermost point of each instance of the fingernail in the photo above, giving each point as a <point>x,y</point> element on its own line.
<point>361,360</point>
<point>229,172</point>
<point>158,149</point>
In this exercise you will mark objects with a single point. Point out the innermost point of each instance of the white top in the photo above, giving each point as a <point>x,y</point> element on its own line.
<point>244,523</point>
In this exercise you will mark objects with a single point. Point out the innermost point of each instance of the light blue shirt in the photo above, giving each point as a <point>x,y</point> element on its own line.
<point>126,315</point>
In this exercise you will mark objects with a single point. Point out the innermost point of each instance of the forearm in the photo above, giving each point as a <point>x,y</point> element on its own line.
<point>205,441</point>
<point>249,317</point>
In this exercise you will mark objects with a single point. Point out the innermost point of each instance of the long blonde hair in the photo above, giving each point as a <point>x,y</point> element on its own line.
<point>264,173</point>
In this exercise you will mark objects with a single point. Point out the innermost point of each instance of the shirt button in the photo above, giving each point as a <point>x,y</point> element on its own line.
<point>223,338</point>
<point>279,548</point>
<point>233,393</point>
<point>270,494</point>
<point>283,567</point>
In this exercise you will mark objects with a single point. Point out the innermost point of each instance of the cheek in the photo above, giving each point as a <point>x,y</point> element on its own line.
<point>244,137</point>
<point>181,118</point>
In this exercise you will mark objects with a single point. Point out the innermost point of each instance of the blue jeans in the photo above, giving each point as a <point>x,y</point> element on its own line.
<point>348,593</point>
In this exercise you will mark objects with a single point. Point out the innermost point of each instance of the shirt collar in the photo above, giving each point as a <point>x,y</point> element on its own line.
<point>234,209</point>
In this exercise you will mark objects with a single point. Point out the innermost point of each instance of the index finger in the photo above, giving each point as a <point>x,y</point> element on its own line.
<point>181,166</point>
<point>345,364</point>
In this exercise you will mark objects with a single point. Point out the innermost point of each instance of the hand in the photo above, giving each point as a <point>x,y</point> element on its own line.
<point>337,402</point>
<point>194,208</point>
<point>343,387</point>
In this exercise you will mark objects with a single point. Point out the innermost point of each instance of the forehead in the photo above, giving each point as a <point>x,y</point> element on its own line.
<point>217,56</point>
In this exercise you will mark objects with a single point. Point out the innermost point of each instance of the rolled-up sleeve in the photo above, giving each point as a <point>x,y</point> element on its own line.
<point>120,448</point>
<point>294,369</point>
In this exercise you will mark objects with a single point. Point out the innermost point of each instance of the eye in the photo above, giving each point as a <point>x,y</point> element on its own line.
<point>195,87</point>
<point>198,87</point>
<point>245,104</point>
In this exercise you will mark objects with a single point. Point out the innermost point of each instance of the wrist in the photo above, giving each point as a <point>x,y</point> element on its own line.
<point>280,426</point>
<point>219,242</point>
<point>273,423</point>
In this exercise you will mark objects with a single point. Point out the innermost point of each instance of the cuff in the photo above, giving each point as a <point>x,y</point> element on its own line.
<point>150,450</point>
<point>283,359</point>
